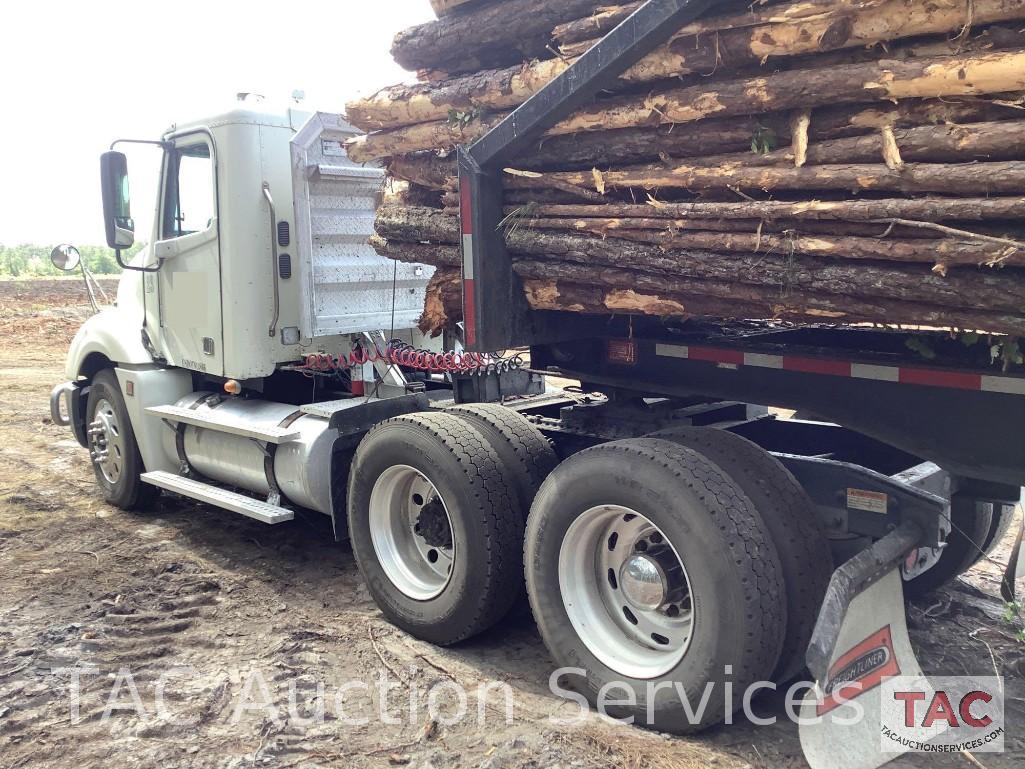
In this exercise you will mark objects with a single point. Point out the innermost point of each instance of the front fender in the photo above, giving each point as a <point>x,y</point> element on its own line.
<point>114,334</point>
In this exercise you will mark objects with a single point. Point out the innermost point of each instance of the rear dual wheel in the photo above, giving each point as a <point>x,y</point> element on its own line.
<point>525,454</point>
<point>792,521</point>
<point>648,568</point>
<point>436,509</point>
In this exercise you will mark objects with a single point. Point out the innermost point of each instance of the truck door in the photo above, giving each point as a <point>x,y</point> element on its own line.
<point>189,283</point>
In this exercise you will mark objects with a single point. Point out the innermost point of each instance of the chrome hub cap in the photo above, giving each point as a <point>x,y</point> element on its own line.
<point>411,531</point>
<point>626,591</point>
<point>106,444</point>
<point>643,582</point>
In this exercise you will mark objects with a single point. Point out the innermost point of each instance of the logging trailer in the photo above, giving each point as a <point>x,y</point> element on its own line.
<point>263,359</point>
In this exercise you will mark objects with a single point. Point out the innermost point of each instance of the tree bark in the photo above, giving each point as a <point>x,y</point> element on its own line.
<point>595,26</point>
<point>445,7</point>
<point>576,288</point>
<point>946,251</point>
<point>744,14</point>
<point>626,146</point>
<point>829,27</point>
<point>443,307</point>
<point>801,89</point>
<point>623,147</point>
<point>591,28</point>
<point>1003,177</point>
<point>941,143</point>
<point>493,35</point>
<point>414,138</point>
<point>427,169</point>
<point>435,254</point>
<point>993,290</point>
<point>730,301</point>
<point>703,47</point>
<point>882,80</point>
<point>611,225</point>
<point>921,209</point>
<point>966,288</point>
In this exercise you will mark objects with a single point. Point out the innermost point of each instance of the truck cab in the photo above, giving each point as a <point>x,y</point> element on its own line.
<point>228,285</point>
<point>257,258</point>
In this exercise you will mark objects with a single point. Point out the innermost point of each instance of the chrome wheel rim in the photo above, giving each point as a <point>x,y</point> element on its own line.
<point>106,442</point>
<point>626,591</point>
<point>411,531</point>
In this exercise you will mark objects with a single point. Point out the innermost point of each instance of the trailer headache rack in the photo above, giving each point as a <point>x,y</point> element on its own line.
<point>505,320</point>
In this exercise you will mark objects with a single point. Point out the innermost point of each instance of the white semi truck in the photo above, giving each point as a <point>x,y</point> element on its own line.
<point>262,358</point>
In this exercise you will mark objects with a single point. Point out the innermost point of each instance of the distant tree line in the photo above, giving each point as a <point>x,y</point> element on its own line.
<point>31,260</point>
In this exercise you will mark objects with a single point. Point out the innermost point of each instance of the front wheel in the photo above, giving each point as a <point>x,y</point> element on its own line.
<point>648,569</point>
<point>113,449</point>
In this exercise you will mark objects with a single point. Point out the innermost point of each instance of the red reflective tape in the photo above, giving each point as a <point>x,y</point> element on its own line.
<point>933,378</point>
<point>958,380</point>
<point>715,355</point>
<point>469,313</point>
<point>816,365</point>
<point>465,207</point>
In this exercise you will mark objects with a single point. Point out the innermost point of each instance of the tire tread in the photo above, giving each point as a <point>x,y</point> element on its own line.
<point>743,533</point>
<point>504,527</point>
<point>791,518</point>
<point>135,494</point>
<point>533,455</point>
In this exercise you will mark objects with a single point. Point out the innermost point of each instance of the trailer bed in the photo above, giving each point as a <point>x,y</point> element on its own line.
<point>951,409</point>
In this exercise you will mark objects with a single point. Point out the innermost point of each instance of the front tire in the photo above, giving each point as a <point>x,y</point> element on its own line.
<point>113,448</point>
<point>435,527</point>
<point>695,549</point>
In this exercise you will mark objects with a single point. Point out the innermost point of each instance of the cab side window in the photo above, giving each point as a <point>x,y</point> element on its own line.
<point>189,194</point>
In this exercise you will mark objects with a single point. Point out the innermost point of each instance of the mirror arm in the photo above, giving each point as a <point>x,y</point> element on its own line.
<point>88,287</point>
<point>117,255</point>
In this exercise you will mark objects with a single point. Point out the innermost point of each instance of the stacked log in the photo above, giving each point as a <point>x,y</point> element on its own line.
<point>445,7</point>
<point>843,161</point>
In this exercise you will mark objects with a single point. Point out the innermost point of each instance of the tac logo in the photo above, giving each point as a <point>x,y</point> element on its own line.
<point>942,714</point>
<point>941,709</point>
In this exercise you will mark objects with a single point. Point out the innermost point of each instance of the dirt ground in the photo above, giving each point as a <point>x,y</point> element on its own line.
<point>228,604</point>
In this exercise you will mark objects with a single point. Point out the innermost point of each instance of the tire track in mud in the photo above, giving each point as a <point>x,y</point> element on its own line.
<point>159,611</point>
<point>129,649</point>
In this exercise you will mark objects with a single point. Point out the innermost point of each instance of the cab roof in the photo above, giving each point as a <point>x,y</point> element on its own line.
<point>287,118</point>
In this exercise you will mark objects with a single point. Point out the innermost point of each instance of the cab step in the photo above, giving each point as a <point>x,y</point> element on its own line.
<point>215,495</point>
<point>211,420</point>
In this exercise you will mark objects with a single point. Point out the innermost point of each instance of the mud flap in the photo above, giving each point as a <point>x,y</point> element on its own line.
<point>860,639</point>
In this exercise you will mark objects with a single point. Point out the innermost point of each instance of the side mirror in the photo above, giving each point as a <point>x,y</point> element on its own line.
<point>117,211</point>
<point>65,257</point>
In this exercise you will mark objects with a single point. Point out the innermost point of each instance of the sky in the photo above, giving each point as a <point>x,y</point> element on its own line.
<point>76,75</point>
